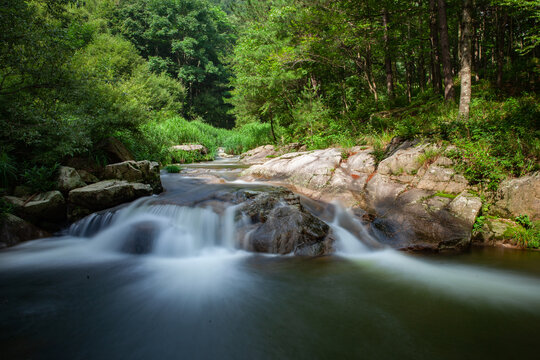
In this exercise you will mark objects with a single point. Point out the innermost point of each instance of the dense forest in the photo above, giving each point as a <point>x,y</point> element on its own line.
<point>238,74</point>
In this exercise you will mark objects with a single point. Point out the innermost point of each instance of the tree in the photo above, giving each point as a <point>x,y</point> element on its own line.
<point>466,60</point>
<point>445,52</point>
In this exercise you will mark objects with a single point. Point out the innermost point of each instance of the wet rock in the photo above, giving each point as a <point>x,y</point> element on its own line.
<point>49,206</point>
<point>115,150</point>
<point>417,220</point>
<point>68,179</point>
<point>103,195</point>
<point>145,171</point>
<point>15,230</point>
<point>279,224</point>
<point>519,196</point>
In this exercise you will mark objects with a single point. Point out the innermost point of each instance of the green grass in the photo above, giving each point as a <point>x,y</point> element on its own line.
<point>173,169</point>
<point>155,139</point>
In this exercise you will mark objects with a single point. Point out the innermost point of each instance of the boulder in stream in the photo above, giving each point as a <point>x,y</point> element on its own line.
<point>15,230</point>
<point>279,224</point>
<point>103,195</point>
<point>146,172</point>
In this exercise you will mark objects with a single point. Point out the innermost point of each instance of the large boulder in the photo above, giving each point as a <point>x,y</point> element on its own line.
<point>68,179</point>
<point>103,195</point>
<point>310,169</point>
<point>279,224</point>
<point>519,196</point>
<point>420,220</point>
<point>145,171</point>
<point>15,230</point>
<point>49,207</point>
<point>115,150</point>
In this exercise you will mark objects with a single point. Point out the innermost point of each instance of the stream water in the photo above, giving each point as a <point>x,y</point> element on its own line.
<point>163,278</point>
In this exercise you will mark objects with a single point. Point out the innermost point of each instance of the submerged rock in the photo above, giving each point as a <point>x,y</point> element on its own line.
<point>15,230</point>
<point>103,195</point>
<point>279,224</point>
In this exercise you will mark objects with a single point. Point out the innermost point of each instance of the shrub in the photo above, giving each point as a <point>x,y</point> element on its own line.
<point>8,171</point>
<point>173,169</point>
<point>41,179</point>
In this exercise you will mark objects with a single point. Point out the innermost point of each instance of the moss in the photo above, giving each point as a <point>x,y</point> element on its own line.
<point>445,195</point>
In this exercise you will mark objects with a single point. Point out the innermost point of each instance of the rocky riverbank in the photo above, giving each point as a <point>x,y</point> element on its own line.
<point>413,193</point>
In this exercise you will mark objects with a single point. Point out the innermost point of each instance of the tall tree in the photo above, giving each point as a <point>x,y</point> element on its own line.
<point>387,57</point>
<point>466,60</point>
<point>445,52</point>
<point>434,41</point>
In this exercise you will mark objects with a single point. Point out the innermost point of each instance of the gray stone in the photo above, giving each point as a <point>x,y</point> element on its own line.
<point>280,225</point>
<point>104,195</point>
<point>68,179</point>
<point>135,171</point>
<point>519,196</point>
<point>15,230</point>
<point>49,206</point>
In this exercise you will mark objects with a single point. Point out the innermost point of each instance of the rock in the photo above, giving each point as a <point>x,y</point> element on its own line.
<point>311,169</point>
<point>280,225</point>
<point>419,221</point>
<point>222,154</point>
<point>259,155</point>
<point>135,171</point>
<point>68,179</point>
<point>495,231</point>
<point>195,148</point>
<point>104,195</point>
<point>15,230</point>
<point>466,207</point>
<point>87,177</point>
<point>49,206</point>
<point>115,150</point>
<point>440,177</point>
<point>519,196</point>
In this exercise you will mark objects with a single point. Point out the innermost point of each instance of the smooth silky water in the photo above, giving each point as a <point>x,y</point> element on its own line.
<point>164,279</point>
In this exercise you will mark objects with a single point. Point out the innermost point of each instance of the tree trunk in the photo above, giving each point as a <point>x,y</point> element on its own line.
<point>445,52</point>
<point>434,41</point>
<point>499,45</point>
<point>421,69</point>
<point>466,60</point>
<point>369,73</point>
<point>387,58</point>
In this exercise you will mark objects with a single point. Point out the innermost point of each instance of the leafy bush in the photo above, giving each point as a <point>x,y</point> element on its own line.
<point>528,238</point>
<point>8,171</point>
<point>5,208</point>
<point>524,221</point>
<point>41,179</point>
<point>173,169</point>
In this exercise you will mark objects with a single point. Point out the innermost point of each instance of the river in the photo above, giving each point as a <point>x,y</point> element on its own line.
<point>102,290</point>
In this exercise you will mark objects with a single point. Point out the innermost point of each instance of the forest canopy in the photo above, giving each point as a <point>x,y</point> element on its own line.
<point>157,72</point>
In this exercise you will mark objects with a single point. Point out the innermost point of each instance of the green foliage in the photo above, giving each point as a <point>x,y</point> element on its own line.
<point>8,170</point>
<point>428,156</point>
<point>42,178</point>
<point>173,169</point>
<point>478,225</point>
<point>445,195</point>
<point>155,138</point>
<point>525,237</point>
<point>524,221</point>
<point>5,208</point>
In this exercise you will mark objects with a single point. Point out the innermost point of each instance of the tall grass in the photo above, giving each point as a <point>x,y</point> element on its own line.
<point>155,138</point>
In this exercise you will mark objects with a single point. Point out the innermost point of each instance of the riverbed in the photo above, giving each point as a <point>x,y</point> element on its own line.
<point>99,292</point>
